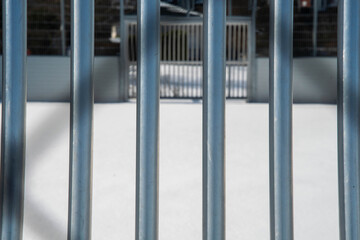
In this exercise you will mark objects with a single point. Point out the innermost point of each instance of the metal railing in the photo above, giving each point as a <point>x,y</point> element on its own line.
<point>181,56</point>
<point>147,173</point>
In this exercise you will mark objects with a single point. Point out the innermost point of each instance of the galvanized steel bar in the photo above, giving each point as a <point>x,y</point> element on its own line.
<point>238,59</point>
<point>173,57</point>
<point>147,120</point>
<point>13,119</point>
<point>281,199</point>
<point>178,64</point>
<point>81,119</point>
<point>166,56</point>
<point>214,120</point>
<point>233,43</point>
<point>192,56</point>
<point>183,59</point>
<point>340,122</point>
<point>201,41</point>
<point>250,57</point>
<point>197,37</point>
<point>244,42</point>
<point>349,118</point>
<point>228,38</point>
<point>188,80</point>
<point>201,58</point>
<point>178,38</point>
<point>169,59</point>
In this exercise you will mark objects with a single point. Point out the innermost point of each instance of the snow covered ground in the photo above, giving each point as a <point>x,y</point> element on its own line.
<point>247,204</point>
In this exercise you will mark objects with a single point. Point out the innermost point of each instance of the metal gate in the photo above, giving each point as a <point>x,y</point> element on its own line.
<point>181,56</point>
<point>13,131</point>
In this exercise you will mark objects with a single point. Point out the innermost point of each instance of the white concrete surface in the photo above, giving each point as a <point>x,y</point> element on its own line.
<point>247,210</point>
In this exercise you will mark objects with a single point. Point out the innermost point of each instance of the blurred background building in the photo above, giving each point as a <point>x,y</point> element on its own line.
<point>45,31</point>
<point>181,38</point>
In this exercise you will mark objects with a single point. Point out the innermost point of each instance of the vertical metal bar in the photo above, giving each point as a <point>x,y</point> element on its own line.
<point>123,79</point>
<point>136,30</point>
<point>183,31</point>
<point>183,60</point>
<point>127,65</point>
<point>238,43</point>
<point>169,61</point>
<point>188,74</point>
<point>238,67</point>
<point>135,44</point>
<point>193,90</point>
<point>230,36</point>
<point>349,118</point>
<point>197,37</point>
<point>62,27</point>
<point>173,60</point>
<point>166,53</point>
<point>239,60</point>
<point>178,39</point>
<point>147,120</point>
<point>132,53</point>
<point>243,42</point>
<point>201,58</point>
<point>281,203</point>
<point>315,27</point>
<point>173,57</point>
<point>233,42</point>
<point>13,119</point>
<point>228,32</point>
<point>246,42</point>
<point>197,42</point>
<point>340,128</point>
<point>214,121</point>
<point>162,57</point>
<point>251,59</point>
<point>81,119</point>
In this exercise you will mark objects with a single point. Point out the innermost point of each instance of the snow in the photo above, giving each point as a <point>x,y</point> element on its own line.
<point>247,194</point>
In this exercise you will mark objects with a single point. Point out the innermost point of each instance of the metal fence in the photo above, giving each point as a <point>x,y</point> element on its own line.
<point>147,173</point>
<point>181,56</point>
